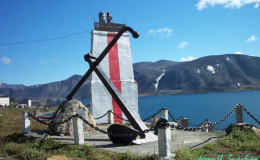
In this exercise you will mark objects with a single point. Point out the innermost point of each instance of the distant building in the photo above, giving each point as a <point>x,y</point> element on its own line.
<point>29,103</point>
<point>4,100</point>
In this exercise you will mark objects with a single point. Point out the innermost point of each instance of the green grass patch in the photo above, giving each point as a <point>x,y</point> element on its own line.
<point>14,144</point>
<point>240,143</point>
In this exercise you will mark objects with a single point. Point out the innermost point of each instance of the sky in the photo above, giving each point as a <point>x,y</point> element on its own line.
<point>175,30</point>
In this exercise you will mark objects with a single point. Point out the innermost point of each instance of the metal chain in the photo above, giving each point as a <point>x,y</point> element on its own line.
<point>38,120</point>
<point>224,118</point>
<point>64,121</point>
<point>102,115</point>
<point>195,125</point>
<point>199,127</point>
<point>120,117</point>
<point>148,118</point>
<point>103,131</point>
<point>172,116</point>
<point>210,125</point>
<point>249,113</point>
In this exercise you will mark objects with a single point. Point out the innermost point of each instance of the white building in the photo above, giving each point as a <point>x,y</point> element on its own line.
<point>4,101</point>
<point>29,103</point>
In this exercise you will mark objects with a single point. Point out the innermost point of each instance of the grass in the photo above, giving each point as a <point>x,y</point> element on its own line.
<point>240,143</point>
<point>13,144</point>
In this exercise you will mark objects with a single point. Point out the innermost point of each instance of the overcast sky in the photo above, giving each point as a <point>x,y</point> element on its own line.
<point>175,30</point>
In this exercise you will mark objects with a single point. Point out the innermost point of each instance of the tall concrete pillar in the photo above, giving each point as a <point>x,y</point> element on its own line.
<point>117,65</point>
<point>165,113</point>
<point>110,117</point>
<point>239,115</point>
<point>78,131</point>
<point>164,141</point>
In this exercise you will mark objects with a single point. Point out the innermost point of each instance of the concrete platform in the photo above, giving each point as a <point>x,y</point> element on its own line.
<point>179,139</point>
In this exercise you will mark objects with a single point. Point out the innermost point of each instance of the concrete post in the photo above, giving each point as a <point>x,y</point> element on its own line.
<point>165,114</point>
<point>183,122</point>
<point>110,117</point>
<point>164,141</point>
<point>78,131</point>
<point>82,113</point>
<point>239,115</point>
<point>26,124</point>
<point>208,129</point>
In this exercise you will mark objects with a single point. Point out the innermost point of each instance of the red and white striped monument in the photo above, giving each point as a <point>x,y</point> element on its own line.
<point>117,65</point>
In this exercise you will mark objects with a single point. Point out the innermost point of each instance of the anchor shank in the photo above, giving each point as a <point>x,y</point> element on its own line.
<point>133,117</point>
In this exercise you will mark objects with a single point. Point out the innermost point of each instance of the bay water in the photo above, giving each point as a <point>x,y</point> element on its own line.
<point>198,107</point>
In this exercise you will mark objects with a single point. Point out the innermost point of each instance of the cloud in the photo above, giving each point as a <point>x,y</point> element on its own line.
<point>183,44</point>
<point>238,52</point>
<point>227,3</point>
<point>252,38</point>
<point>256,5</point>
<point>6,60</point>
<point>163,32</point>
<point>44,61</point>
<point>190,58</point>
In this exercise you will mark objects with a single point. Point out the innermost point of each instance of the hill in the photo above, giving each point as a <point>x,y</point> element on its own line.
<point>228,72</point>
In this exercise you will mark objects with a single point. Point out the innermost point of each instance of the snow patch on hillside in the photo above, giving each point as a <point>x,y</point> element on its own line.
<point>158,79</point>
<point>227,58</point>
<point>238,84</point>
<point>211,69</point>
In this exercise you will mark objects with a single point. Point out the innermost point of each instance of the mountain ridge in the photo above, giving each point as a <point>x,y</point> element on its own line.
<point>229,72</point>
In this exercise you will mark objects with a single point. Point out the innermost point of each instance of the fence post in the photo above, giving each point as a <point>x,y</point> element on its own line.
<point>78,131</point>
<point>165,113</point>
<point>26,124</point>
<point>164,141</point>
<point>239,114</point>
<point>183,122</point>
<point>110,117</point>
<point>208,125</point>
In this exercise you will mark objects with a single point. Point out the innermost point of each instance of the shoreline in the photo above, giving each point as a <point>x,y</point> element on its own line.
<point>174,92</point>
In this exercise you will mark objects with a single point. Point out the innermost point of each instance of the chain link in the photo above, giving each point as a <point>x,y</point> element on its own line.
<point>199,126</point>
<point>172,116</point>
<point>102,115</point>
<point>249,113</point>
<point>38,120</point>
<point>196,125</point>
<point>105,132</point>
<point>148,118</point>
<point>120,117</point>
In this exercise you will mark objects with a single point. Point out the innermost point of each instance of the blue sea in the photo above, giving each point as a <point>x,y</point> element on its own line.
<point>198,107</point>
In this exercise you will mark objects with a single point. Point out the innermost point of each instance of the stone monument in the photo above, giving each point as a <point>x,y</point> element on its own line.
<point>117,65</point>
